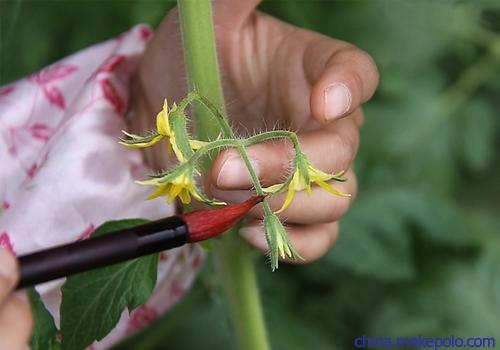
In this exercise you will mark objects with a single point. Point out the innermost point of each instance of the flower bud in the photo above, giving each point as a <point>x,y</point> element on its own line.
<point>279,244</point>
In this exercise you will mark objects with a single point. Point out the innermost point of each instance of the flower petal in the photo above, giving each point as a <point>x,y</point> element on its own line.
<point>175,191</point>
<point>184,196</point>
<point>141,142</point>
<point>179,155</point>
<point>289,198</point>
<point>332,190</point>
<point>160,191</point>
<point>162,122</point>
<point>273,188</point>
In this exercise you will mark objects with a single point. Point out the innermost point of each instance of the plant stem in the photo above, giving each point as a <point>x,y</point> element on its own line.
<point>233,255</point>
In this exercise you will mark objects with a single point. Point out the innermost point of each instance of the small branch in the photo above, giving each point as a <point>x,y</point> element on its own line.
<point>233,254</point>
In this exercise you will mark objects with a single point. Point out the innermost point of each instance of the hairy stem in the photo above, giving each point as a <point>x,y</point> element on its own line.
<point>233,255</point>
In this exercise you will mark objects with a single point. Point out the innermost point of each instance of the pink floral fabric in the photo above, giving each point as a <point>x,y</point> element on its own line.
<point>62,172</point>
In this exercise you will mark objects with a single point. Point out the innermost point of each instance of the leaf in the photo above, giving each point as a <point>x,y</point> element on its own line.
<point>92,302</point>
<point>479,134</point>
<point>458,297</point>
<point>377,236</point>
<point>374,241</point>
<point>44,333</point>
<point>196,311</point>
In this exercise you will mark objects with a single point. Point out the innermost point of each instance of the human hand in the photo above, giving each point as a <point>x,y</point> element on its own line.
<point>15,314</point>
<point>273,74</point>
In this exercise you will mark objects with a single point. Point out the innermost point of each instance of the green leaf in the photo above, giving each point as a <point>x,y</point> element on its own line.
<point>93,302</point>
<point>44,329</point>
<point>479,134</point>
<point>374,241</point>
<point>457,297</point>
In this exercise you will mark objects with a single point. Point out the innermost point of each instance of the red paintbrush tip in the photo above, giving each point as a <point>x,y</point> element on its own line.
<point>208,223</point>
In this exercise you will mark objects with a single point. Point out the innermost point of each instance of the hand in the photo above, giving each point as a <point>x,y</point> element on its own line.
<point>273,74</point>
<point>15,315</point>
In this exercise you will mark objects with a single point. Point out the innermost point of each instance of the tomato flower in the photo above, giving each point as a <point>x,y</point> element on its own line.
<point>163,130</point>
<point>303,176</point>
<point>179,183</point>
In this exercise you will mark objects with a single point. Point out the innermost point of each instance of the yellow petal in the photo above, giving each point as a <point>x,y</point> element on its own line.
<point>174,191</point>
<point>162,123</point>
<point>160,191</point>
<point>280,245</point>
<point>298,182</point>
<point>316,174</point>
<point>272,189</point>
<point>142,144</point>
<point>185,197</point>
<point>308,189</point>
<point>289,198</point>
<point>175,148</point>
<point>332,190</point>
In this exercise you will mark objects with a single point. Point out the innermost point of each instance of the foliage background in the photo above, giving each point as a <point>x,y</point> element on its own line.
<point>419,253</point>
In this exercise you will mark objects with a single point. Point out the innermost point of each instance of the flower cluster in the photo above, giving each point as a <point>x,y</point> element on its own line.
<point>180,181</point>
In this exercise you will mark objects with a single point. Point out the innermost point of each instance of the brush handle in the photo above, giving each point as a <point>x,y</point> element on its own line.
<point>101,251</point>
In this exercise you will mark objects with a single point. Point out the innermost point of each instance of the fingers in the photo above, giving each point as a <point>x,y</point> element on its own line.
<point>8,273</point>
<point>231,14</point>
<point>331,149</point>
<point>343,77</point>
<point>310,241</point>
<point>15,316</point>
<point>319,207</point>
<point>15,322</point>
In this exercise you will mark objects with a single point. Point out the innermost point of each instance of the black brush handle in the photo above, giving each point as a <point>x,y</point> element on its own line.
<point>111,248</point>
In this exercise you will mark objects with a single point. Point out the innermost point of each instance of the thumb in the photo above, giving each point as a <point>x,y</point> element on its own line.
<point>232,13</point>
<point>343,78</point>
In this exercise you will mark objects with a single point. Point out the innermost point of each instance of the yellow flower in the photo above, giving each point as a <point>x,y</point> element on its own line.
<point>303,176</point>
<point>178,183</point>
<point>163,129</point>
<point>182,186</point>
<point>136,141</point>
<point>162,122</point>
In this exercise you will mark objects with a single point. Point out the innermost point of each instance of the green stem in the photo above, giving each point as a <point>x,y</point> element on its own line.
<point>241,145</point>
<point>233,255</point>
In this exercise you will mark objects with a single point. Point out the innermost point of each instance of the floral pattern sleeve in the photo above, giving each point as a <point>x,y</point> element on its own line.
<point>63,173</point>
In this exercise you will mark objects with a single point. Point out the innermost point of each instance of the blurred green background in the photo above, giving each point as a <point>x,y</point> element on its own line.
<point>419,253</point>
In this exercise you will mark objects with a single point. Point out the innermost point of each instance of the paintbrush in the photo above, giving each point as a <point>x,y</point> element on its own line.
<point>129,243</point>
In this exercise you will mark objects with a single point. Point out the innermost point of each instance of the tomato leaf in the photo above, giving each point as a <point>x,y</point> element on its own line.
<point>92,302</point>
<point>44,329</point>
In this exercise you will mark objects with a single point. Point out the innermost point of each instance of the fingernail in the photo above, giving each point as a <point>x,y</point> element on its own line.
<point>337,101</point>
<point>8,268</point>
<point>231,196</point>
<point>233,173</point>
<point>255,236</point>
